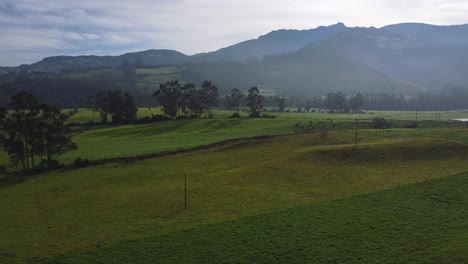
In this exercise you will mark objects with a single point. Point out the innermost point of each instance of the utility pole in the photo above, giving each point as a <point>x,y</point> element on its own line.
<point>416,117</point>
<point>185,191</point>
<point>355,135</point>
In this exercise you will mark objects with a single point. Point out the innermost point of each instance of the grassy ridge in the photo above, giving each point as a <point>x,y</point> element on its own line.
<point>421,223</point>
<point>73,211</point>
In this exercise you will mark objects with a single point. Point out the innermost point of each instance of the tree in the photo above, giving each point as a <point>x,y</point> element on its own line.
<point>120,105</point>
<point>210,96</point>
<point>54,137</point>
<point>34,129</point>
<point>236,98</point>
<point>254,101</point>
<point>281,103</point>
<point>356,102</point>
<point>336,101</point>
<point>169,96</point>
<point>308,105</point>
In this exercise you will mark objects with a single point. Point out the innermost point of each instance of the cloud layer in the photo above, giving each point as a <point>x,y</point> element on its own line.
<point>33,29</point>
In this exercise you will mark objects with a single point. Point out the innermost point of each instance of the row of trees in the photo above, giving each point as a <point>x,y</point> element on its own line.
<point>31,130</point>
<point>177,99</point>
<point>190,101</point>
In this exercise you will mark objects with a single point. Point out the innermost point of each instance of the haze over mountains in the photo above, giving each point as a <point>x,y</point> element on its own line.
<point>404,58</point>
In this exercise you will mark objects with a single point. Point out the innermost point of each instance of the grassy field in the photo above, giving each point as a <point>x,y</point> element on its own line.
<point>85,115</point>
<point>421,223</point>
<point>69,212</point>
<point>135,140</point>
<point>132,140</point>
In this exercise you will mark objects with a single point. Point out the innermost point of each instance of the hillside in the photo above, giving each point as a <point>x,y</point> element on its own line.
<point>273,43</point>
<point>99,207</point>
<point>309,71</point>
<point>421,223</point>
<point>78,63</point>
<point>402,56</point>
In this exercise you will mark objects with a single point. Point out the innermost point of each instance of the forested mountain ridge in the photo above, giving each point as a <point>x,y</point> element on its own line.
<point>407,59</point>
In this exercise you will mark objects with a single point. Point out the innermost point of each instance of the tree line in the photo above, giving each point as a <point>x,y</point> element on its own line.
<point>190,101</point>
<point>66,92</point>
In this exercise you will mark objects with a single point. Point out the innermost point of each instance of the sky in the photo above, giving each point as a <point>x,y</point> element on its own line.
<point>33,29</point>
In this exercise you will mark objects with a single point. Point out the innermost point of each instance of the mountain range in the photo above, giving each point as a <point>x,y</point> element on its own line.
<point>406,58</point>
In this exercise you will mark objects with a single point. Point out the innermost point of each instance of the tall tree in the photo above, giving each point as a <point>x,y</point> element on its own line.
<point>54,137</point>
<point>255,101</point>
<point>281,103</point>
<point>210,96</point>
<point>169,96</point>
<point>236,98</point>
<point>356,102</point>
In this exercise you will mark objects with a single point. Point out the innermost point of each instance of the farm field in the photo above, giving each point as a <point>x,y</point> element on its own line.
<point>100,207</point>
<point>85,115</point>
<point>420,223</point>
<point>144,139</point>
<point>135,140</point>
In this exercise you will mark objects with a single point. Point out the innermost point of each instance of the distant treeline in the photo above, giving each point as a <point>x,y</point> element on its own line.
<point>63,92</point>
<point>74,93</point>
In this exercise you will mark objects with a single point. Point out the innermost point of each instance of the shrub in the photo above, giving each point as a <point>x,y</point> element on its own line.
<point>157,118</point>
<point>379,123</point>
<point>268,116</point>
<point>235,115</point>
<point>410,125</point>
<point>254,115</point>
<point>50,165</point>
<point>78,163</point>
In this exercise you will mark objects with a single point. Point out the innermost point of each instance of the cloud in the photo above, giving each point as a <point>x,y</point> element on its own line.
<point>30,29</point>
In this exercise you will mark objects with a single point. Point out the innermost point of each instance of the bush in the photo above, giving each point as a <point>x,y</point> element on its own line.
<point>235,115</point>
<point>78,163</point>
<point>410,125</point>
<point>268,116</point>
<point>379,123</point>
<point>50,165</point>
<point>144,120</point>
<point>255,115</point>
<point>157,118</point>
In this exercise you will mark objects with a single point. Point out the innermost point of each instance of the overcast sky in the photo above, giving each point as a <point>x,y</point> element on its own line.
<point>33,29</point>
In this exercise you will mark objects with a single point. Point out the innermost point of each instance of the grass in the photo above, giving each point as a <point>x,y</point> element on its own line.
<point>132,140</point>
<point>135,140</point>
<point>421,223</point>
<point>85,115</point>
<point>70,212</point>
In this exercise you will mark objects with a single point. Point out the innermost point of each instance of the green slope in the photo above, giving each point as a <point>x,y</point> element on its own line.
<point>73,211</point>
<point>421,223</point>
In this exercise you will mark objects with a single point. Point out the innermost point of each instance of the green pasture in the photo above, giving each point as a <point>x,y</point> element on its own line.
<point>85,115</point>
<point>75,211</point>
<point>420,223</point>
<point>134,140</point>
